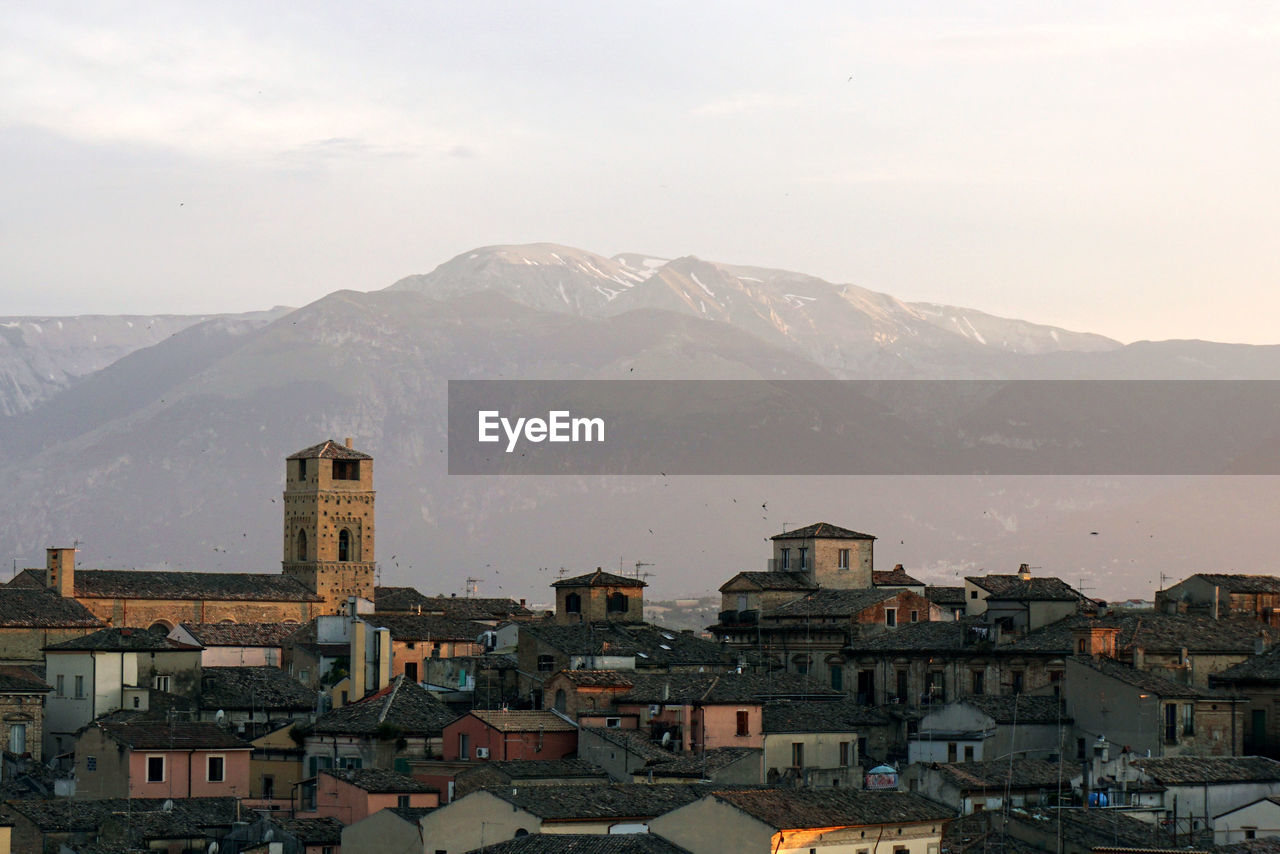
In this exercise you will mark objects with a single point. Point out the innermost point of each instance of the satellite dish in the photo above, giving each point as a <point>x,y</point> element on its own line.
<point>213,848</point>
<point>220,716</point>
<point>167,806</point>
<point>666,738</point>
<point>269,835</point>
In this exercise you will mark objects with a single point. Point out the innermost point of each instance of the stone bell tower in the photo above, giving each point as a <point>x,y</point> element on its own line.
<point>328,522</point>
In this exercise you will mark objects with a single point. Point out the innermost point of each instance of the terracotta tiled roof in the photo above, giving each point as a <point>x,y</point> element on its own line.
<point>600,578</point>
<point>822,530</point>
<point>1142,680</point>
<point>403,704</point>
<point>123,640</point>
<point>325,830</point>
<point>1153,632</point>
<point>40,607</point>
<point>614,801</point>
<point>1257,668</point>
<point>1242,583</point>
<point>996,774</point>
<point>821,716</point>
<point>896,577</point>
<point>598,678</point>
<point>834,603</point>
<point>329,449</point>
<point>240,634</point>
<point>247,688</point>
<point>213,586</point>
<point>1090,829</point>
<point>140,734</point>
<point>1198,770</point>
<point>631,740</point>
<point>20,680</point>
<point>774,580</point>
<point>791,809</point>
<point>581,843</point>
<point>63,815</point>
<point>378,781</point>
<point>1019,708</point>
<point>1019,589</point>
<point>536,769</point>
<point>653,646</point>
<point>699,765</point>
<point>940,595</point>
<point>407,600</point>
<point>523,720</point>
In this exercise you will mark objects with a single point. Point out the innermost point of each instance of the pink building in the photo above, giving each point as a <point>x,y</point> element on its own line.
<point>158,759</point>
<point>350,795</point>
<point>500,734</point>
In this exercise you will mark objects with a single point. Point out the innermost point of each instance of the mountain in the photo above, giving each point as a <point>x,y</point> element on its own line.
<point>170,453</point>
<point>847,329</point>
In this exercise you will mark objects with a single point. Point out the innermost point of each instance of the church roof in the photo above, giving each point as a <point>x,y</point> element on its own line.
<point>40,607</point>
<point>822,531</point>
<point>329,450</point>
<point>123,640</point>
<point>226,586</point>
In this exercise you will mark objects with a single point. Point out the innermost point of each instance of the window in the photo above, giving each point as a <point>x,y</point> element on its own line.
<point>797,754</point>
<point>346,469</point>
<point>1082,646</point>
<point>802,552</point>
<point>891,617</point>
<point>1015,682</point>
<point>902,686</point>
<point>18,738</point>
<point>836,673</point>
<point>268,786</point>
<point>464,746</point>
<point>845,756</point>
<point>301,546</point>
<point>744,722</point>
<point>61,690</point>
<point>302,469</point>
<point>613,723</point>
<point>216,769</point>
<point>968,753</point>
<point>402,801</point>
<point>786,558</point>
<point>616,603</point>
<point>951,751</point>
<point>137,701</point>
<point>162,683</point>
<point>573,604</point>
<point>915,616</point>
<point>973,594</point>
<point>344,545</point>
<point>979,682</point>
<point>1079,748</point>
<point>842,559</point>
<point>155,769</point>
<point>79,687</point>
<point>545,663</point>
<point>1188,720</point>
<point>91,763</point>
<point>1250,833</point>
<point>411,671</point>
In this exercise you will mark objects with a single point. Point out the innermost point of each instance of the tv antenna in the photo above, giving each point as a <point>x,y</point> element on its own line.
<point>641,576</point>
<point>473,586</point>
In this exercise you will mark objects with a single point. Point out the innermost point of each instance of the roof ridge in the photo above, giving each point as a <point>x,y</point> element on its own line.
<point>382,716</point>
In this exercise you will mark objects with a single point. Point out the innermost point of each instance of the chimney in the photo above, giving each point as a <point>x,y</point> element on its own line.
<point>348,440</point>
<point>60,572</point>
<point>1139,658</point>
<point>1024,571</point>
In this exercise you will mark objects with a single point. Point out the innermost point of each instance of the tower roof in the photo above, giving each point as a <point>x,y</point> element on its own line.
<point>329,449</point>
<point>600,578</point>
<point>822,531</point>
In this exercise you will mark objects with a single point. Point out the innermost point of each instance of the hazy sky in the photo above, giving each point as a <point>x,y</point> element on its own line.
<point>1109,167</point>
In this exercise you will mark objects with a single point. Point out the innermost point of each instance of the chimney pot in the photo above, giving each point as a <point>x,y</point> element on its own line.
<point>348,441</point>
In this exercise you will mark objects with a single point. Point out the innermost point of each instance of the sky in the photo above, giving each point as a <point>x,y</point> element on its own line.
<point>1104,167</point>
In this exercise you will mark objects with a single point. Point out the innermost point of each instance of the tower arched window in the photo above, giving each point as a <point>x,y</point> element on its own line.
<point>573,604</point>
<point>302,545</point>
<point>617,603</point>
<point>344,545</point>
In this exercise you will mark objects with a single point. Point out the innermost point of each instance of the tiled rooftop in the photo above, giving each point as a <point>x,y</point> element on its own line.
<point>896,577</point>
<point>403,704</point>
<point>774,580</point>
<point>240,634</point>
<point>1195,770</point>
<point>793,809</point>
<point>329,449</point>
<point>213,586</point>
<point>822,530</point>
<point>531,720</point>
<point>250,688</point>
<point>614,801</point>
<point>141,734</point>
<point>576,843</point>
<point>378,781</point>
<point>1019,773</point>
<point>426,627</point>
<point>599,578</point>
<point>653,646</point>
<point>40,607</point>
<point>728,687</point>
<point>1035,589</point>
<point>122,640</point>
